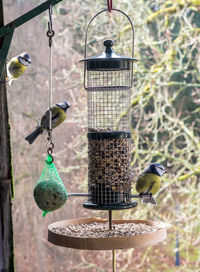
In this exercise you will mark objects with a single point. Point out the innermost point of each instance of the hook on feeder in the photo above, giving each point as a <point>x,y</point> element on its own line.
<point>50,144</point>
<point>109,4</point>
<point>50,32</point>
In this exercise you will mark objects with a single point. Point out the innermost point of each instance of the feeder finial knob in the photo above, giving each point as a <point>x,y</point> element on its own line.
<point>108,44</point>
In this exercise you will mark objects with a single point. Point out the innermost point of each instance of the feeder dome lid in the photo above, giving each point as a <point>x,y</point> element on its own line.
<point>108,59</point>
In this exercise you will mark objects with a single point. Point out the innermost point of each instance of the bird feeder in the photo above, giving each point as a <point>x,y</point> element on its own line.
<point>108,80</point>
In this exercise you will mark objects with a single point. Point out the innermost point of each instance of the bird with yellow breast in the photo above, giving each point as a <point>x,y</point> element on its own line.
<point>149,181</point>
<point>58,116</point>
<point>16,67</point>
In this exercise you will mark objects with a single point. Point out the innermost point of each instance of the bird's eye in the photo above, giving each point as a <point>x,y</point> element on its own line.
<point>24,62</point>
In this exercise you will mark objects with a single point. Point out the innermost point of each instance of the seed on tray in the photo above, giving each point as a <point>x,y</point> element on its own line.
<point>101,230</point>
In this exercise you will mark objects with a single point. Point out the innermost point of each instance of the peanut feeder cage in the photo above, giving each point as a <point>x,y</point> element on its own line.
<point>108,80</point>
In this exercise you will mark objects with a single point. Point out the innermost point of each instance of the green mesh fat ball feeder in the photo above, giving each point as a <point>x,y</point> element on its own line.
<point>50,193</point>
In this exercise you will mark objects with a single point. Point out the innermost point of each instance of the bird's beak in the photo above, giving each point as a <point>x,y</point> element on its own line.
<point>165,171</point>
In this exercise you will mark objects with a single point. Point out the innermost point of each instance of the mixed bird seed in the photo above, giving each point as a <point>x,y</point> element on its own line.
<point>101,230</point>
<point>109,165</point>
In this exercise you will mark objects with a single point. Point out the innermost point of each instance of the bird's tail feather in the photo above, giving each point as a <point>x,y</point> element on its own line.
<point>31,137</point>
<point>149,200</point>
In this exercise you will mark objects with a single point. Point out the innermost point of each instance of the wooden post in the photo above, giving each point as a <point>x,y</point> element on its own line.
<point>6,228</point>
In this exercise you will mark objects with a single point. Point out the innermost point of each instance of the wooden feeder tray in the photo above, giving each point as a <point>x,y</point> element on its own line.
<point>57,236</point>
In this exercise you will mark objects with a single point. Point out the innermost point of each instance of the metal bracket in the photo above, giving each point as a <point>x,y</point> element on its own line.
<point>79,194</point>
<point>4,50</point>
<point>6,32</point>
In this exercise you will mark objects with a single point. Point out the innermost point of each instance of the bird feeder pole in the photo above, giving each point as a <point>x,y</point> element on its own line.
<point>113,260</point>
<point>6,32</point>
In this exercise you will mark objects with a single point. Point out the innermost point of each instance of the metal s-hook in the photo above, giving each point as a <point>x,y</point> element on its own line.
<point>109,3</point>
<point>50,32</point>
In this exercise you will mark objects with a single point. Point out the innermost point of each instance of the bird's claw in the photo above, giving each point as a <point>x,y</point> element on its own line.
<point>147,198</point>
<point>140,195</point>
<point>145,195</point>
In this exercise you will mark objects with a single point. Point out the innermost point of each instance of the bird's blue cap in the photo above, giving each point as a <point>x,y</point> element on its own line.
<point>63,105</point>
<point>155,168</point>
<point>156,164</point>
<point>25,56</point>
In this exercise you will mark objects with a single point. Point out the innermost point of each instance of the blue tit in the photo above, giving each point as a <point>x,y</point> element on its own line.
<point>149,181</point>
<point>17,66</point>
<point>58,116</point>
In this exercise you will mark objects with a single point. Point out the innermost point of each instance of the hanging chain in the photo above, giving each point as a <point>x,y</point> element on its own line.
<point>50,34</point>
<point>50,144</point>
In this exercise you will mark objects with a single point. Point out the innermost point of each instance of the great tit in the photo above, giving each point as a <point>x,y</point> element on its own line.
<point>149,181</point>
<point>58,116</point>
<point>16,67</point>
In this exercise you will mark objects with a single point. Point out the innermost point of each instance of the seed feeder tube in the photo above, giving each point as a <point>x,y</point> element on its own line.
<point>108,80</point>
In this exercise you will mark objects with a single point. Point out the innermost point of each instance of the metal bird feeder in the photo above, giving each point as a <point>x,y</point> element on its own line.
<point>108,80</point>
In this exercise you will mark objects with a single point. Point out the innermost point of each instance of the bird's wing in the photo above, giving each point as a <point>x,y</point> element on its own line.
<point>45,120</point>
<point>140,176</point>
<point>150,187</point>
<point>55,116</point>
<point>141,183</point>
